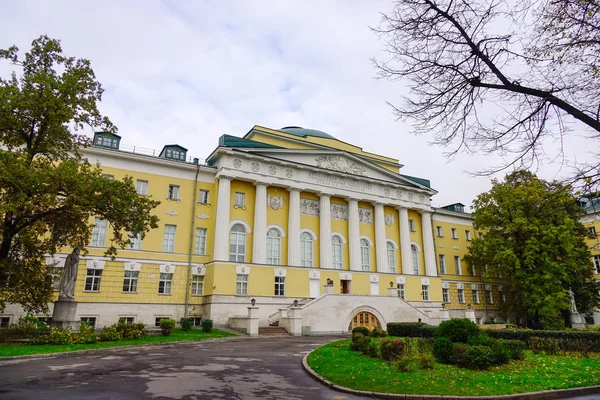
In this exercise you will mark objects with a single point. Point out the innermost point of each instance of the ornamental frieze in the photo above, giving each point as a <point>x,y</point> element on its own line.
<point>309,207</point>
<point>365,215</point>
<point>340,164</point>
<point>339,211</point>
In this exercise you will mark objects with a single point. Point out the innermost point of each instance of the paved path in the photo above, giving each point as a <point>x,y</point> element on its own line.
<point>239,368</point>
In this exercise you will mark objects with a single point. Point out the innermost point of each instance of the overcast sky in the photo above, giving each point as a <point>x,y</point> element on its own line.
<point>188,72</point>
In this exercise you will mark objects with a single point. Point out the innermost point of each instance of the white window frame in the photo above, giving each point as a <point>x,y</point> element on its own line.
<point>391,256</point>
<point>169,238</point>
<point>237,233</point>
<point>165,283</point>
<point>239,200</point>
<point>414,251</point>
<point>4,322</point>
<point>365,254</point>
<point>472,270</point>
<point>475,293</point>
<point>197,285</point>
<point>597,263</point>
<point>592,231</point>
<point>425,292</point>
<point>488,296</point>
<point>442,260</point>
<point>461,296</point>
<point>157,320</point>
<point>174,192</point>
<point>200,242</point>
<point>440,232</point>
<point>241,285</point>
<point>130,281</point>
<point>454,234</point>
<point>136,242</point>
<point>401,291</point>
<point>274,246</point>
<point>93,279</point>
<point>446,295</point>
<point>91,321</point>
<point>204,196</point>
<point>280,286</point>
<point>141,187</point>
<point>306,249</point>
<point>99,232</point>
<point>411,225</point>
<point>468,235</point>
<point>457,266</point>
<point>337,254</point>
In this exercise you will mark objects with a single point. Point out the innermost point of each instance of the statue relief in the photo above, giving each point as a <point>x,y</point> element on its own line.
<point>67,281</point>
<point>365,215</point>
<point>309,207</point>
<point>340,164</point>
<point>275,202</point>
<point>339,211</point>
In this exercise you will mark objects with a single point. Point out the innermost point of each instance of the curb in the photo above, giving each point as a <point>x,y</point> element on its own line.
<point>544,395</point>
<point>91,351</point>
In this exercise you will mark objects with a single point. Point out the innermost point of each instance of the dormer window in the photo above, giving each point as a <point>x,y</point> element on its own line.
<point>107,140</point>
<point>174,152</point>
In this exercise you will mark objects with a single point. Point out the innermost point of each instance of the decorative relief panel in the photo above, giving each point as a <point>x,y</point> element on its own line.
<point>172,213</point>
<point>255,166</point>
<point>389,220</point>
<point>272,169</point>
<point>237,163</point>
<point>400,280</point>
<point>365,215</point>
<point>339,211</point>
<point>399,194</point>
<point>203,216</point>
<point>341,164</point>
<point>387,191</point>
<point>309,207</point>
<point>275,202</point>
<point>289,173</point>
<point>342,183</point>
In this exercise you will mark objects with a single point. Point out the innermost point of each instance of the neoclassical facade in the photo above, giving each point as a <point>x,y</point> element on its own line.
<point>280,216</point>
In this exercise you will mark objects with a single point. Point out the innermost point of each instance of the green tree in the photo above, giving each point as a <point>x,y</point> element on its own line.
<point>48,191</point>
<point>534,240</point>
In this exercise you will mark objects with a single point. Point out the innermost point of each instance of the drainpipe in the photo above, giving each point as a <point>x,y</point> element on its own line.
<point>191,249</point>
<point>485,306</point>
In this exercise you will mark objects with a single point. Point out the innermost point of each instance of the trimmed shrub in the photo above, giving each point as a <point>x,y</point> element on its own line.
<point>410,329</point>
<point>443,349</point>
<point>427,361</point>
<point>186,324</point>
<point>87,334</point>
<point>207,325</point>
<point>362,330</point>
<point>166,326</point>
<point>515,348</point>
<point>57,336</point>
<point>501,355</point>
<point>418,346</point>
<point>110,334</point>
<point>458,330</point>
<point>375,333</point>
<point>473,357</point>
<point>577,341</point>
<point>130,331</point>
<point>412,363</point>
<point>360,343</point>
<point>373,349</point>
<point>391,349</point>
<point>548,346</point>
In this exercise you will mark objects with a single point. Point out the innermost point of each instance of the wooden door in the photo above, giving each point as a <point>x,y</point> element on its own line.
<point>365,319</point>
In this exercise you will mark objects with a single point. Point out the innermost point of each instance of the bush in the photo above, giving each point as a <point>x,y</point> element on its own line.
<point>378,333</point>
<point>186,324</point>
<point>473,357</point>
<point>110,334</point>
<point>373,349</point>
<point>87,334</point>
<point>362,330</point>
<point>548,346</point>
<point>409,363</point>
<point>458,330</point>
<point>577,341</point>
<point>391,349</point>
<point>360,343</point>
<point>442,350</point>
<point>515,348</point>
<point>207,325</point>
<point>130,331</point>
<point>410,329</point>
<point>418,346</point>
<point>500,354</point>
<point>57,336</point>
<point>166,326</point>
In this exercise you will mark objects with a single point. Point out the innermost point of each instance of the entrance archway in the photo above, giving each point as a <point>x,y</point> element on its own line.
<point>366,319</point>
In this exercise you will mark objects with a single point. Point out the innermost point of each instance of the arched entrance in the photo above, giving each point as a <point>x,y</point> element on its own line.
<point>366,319</point>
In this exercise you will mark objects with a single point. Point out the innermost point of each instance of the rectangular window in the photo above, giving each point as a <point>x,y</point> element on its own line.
<point>173,192</point>
<point>411,225</point>
<point>445,295</point>
<point>203,197</point>
<point>439,231</point>
<point>279,286</point>
<point>592,231</point>
<point>56,274</point>
<point>169,238</point>
<point>164,284</point>
<point>457,267</point>
<point>157,321</point>
<point>99,232</point>
<point>597,263</point>
<point>241,285</point>
<point>442,264</point>
<point>130,281</point>
<point>127,320</point>
<point>92,280</point>
<point>468,235</point>
<point>91,321</point>
<point>201,241</point>
<point>401,290</point>
<point>197,285</point>
<point>240,199</point>
<point>461,296</point>
<point>454,236</point>
<point>425,292</point>
<point>196,321</point>
<point>476,296</point>
<point>141,187</point>
<point>109,177</point>
<point>136,242</point>
<point>4,322</point>
<point>488,297</point>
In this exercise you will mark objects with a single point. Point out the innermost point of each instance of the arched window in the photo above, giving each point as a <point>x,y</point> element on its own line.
<point>306,250</point>
<point>391,256</point>
<point>237,243</point>
<point>336,252</point>
<point>415,258</point>
<point>365,255</point>
<point>273,247</point>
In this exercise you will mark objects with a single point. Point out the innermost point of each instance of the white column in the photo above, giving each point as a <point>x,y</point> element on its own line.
<point>325,223</point>
<point>428,246</point>
<point>354,235</point>
<point>259,245</point>
<point>221,251</point>
<point>380,236</point>
<point>294,228</point>
<point>407,268</point>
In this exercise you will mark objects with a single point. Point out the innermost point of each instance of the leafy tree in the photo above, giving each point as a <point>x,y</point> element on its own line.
<point>498,76</point>
<point>534,240</point>
<point>48,191</point>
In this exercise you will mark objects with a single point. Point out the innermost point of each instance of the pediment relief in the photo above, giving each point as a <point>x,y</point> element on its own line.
<point>340,164</point>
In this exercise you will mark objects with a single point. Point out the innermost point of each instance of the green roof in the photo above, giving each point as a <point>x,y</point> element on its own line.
<point>420,181</point>
<point>234,141</point>
<point>301,132</point>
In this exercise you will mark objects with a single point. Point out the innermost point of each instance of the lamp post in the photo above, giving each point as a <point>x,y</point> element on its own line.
<point>253,302</point>
<point>295,303</point>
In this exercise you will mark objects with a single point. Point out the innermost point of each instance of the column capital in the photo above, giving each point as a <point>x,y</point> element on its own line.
<point>349,199</point>
<point>323,194</point>
<point>423,212</point>
<point>260,183</point>
<point>227,177</point>
<point>294,189</point>
<point>399,208</point>
<point>378,203</point>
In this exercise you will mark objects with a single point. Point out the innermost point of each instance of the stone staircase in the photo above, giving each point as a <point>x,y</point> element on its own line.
<point>272,331</point>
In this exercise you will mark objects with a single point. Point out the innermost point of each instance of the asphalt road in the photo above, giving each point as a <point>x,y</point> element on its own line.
<point>238,368</point>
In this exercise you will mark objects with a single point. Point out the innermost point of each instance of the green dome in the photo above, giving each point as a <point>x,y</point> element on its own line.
<point>301,132</point>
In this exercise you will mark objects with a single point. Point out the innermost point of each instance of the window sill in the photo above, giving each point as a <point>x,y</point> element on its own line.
<point>454,238</point>
<point>91,291</point>
<point>238,206</point>
<point>197,295</point>
<point>177,200</point>
<point>129,292</point>
<point>204,204</point>
<point>165,294</point>
<point>440,236</point>
<point>241,295</point>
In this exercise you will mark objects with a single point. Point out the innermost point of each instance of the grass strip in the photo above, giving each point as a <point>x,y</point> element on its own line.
<point>23,349</point>
<point>338,364</point>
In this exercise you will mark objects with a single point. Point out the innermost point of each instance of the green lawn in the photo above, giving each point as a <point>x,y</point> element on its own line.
<point>338,364</point>
<point>10,349</point>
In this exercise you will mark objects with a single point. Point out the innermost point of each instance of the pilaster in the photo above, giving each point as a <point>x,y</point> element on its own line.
<point>221,248</point>
<point>294,228</point>
<point>325,230</point>
<point>405,242</point>
<point>354,235</point>
<point>380,239</point>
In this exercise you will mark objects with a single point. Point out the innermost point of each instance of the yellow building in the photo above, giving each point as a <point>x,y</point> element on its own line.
<point>279,216</point>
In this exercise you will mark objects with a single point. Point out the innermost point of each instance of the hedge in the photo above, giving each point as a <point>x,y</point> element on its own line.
<point>567,340</point>
<point>410,329</point>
